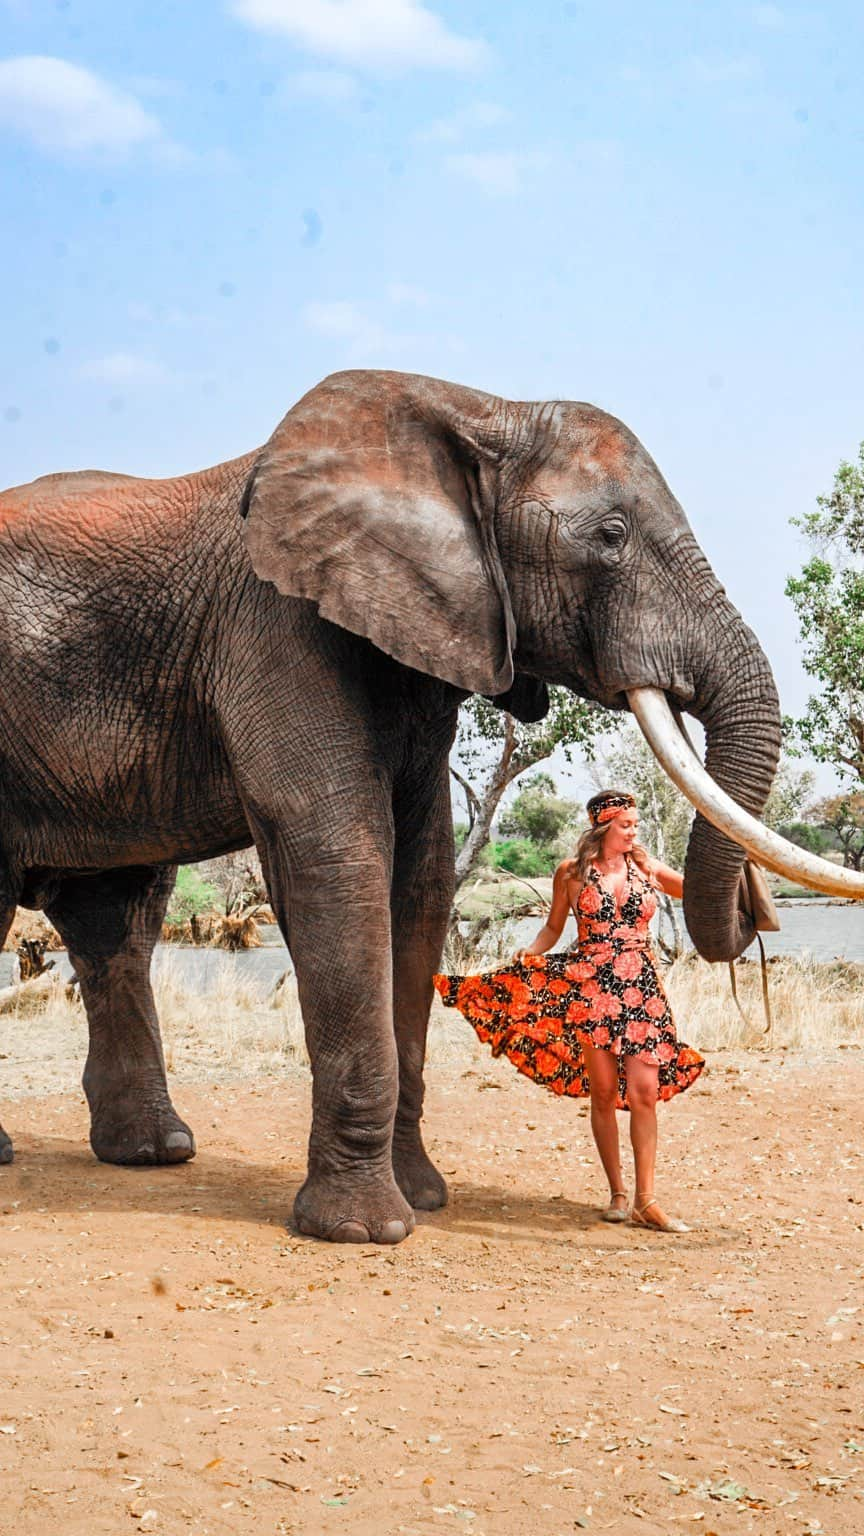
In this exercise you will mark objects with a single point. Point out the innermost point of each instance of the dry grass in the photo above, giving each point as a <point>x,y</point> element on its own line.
<point>233,1029</point>
<point>813,1004</point>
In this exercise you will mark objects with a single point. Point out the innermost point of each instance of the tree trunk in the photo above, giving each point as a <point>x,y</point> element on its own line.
<point>501,775</point>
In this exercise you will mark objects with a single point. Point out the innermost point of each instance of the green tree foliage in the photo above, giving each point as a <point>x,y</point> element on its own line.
<point>828,598</point>
<point>493,749</point>
<point>521,856</point>
<point>807,835</point>
<point>192,896</point>
<point>538,813</point>
<point>790,794</point>
<point>843,815</point>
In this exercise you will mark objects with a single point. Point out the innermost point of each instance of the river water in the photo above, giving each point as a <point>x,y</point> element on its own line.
<point>818,928</point>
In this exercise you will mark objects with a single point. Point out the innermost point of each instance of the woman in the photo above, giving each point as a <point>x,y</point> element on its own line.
<point>595,1018</point>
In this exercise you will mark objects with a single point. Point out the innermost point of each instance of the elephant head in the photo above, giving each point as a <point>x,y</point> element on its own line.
<point>502,545</point>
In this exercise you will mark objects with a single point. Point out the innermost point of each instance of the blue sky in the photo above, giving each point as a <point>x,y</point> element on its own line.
<point>655,206</point>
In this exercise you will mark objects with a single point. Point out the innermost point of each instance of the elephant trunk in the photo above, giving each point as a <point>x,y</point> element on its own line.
<point>735,698</point>
<point>742,725</point>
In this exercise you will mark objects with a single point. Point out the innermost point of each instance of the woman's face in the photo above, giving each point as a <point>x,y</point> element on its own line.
<point>621,833</point>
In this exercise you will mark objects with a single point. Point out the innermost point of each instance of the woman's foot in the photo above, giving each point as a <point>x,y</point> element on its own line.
<point>647,1212</point>
<point>617,1209</point>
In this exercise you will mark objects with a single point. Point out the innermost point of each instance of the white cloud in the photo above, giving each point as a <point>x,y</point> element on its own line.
<point>61,106</point>
<point>364,338</point>
<point>332,85</point>
<point>449,130</point>
<point>386,34</point>
<point>121,368</point>
<point>502,174</point>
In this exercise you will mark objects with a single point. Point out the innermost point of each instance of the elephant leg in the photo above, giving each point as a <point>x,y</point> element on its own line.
<point>110,923</point>
<point>7,913</point>
<point>329,883</point>
<point>421,900</point>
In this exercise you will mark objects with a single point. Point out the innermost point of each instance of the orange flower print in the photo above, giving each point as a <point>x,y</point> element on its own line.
<point>478,1000</point>
<point>546,1063</point>
<point>601,1035</point>
<point>577,1012</point>
<point>557,1085</point>
<point>590,989</point>
<point>664,1050</point>
<point>520,996</point>
<point>590,899</point>
<point>627,965</point>
<point>637,1030</point>
<point>606,1006</point>
<point>601,954</point>
<point>632,997</point>
<point>535,962</point>
<point>558,988</point>
<point>579,970</point>
<point>655,1007</point>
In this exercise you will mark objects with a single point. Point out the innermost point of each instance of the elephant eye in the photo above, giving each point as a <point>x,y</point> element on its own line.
<point>613,533</point>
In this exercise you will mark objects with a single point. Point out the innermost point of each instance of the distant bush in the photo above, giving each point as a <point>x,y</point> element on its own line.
<point>521,856</point>
<point>814,838</point>
<point>192,896</point>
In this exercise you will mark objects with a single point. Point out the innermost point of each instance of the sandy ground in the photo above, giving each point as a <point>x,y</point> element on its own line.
<point>174,1360</point>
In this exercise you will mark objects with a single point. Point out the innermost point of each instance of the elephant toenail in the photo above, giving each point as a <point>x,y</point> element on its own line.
<point>350,1232</point>
<point>393,1232</point>
<point>7,1153</point>
<point>180,1141</point>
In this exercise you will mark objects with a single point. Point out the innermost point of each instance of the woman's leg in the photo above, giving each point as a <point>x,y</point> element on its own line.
<point>642,1097</point>
<point>602,1069</point>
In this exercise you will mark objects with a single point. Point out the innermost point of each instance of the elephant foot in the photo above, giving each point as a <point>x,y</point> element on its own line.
<point>7,1153</point>
<point>342,1209</point>
<point>153,1137</point>
<point>418,1178</point>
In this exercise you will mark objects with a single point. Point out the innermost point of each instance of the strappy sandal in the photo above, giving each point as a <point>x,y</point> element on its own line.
<point>639,1218</point>
<point>612,1213</point>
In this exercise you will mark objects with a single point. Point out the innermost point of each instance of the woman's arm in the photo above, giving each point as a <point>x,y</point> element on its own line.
<point>668,879</point>
<point>550,933</point>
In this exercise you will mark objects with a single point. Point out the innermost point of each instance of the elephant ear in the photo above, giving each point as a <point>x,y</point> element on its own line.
<point>374,498</point>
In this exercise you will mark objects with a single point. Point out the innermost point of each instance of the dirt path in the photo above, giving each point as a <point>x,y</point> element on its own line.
<point>174,1361</point>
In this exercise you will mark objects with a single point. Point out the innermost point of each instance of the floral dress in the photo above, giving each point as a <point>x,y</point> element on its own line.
<point>605,991</point>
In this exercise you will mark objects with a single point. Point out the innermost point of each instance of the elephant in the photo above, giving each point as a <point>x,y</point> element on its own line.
<point>274,651</point>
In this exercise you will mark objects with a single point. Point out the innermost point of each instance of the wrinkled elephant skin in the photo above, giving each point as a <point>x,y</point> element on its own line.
<point>274,650</point>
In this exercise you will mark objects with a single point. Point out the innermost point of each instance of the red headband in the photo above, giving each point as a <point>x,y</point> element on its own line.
<point>609,807</point>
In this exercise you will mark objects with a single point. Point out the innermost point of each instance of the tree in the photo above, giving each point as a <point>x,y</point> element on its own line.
<point>538,813</point>
<point>790,794</point>
<point>828,598</point>
<point>484,731</point>
<point>844,816</point>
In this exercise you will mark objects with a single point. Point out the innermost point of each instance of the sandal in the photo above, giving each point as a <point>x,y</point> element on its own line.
<point>639,1217</point>
<point>612,1212</point>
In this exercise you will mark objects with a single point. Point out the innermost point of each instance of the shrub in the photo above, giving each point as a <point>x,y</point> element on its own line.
<point>192,896</point>
<point>521,856</point>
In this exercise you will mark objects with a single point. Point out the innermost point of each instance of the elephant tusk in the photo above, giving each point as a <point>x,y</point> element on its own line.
<point>676,756</point>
